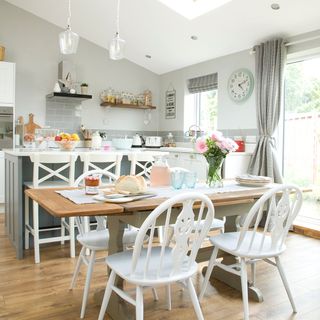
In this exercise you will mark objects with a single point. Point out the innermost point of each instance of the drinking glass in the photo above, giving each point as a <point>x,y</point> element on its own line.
<point>177,178</point>
<point>190,179</point>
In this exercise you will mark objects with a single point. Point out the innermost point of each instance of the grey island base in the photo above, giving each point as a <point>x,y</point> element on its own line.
<point>18,170</point>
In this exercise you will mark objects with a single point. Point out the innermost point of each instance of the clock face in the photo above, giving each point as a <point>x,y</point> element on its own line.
<point>240,85</point>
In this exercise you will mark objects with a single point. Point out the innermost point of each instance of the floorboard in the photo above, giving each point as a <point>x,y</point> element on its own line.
<point>34,292</point>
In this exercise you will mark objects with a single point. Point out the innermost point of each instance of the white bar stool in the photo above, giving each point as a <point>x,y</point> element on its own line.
<point>41,163</point>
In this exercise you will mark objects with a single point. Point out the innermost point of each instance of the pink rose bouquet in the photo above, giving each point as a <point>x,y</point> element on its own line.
<point>215,148</point>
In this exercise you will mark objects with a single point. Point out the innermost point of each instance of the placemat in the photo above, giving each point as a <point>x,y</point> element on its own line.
<point>77,196</point>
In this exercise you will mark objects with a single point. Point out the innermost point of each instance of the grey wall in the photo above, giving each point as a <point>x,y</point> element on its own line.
<point>237,117</point>
<point>32,44</point>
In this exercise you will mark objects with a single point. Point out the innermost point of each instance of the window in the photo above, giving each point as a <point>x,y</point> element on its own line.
<point>205,109</point>
<point>202,103</point>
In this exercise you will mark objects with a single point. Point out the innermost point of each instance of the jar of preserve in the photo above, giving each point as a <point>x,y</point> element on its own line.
<point>92,184</point>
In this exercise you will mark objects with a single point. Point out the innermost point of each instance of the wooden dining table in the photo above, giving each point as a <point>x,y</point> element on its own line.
<point>227,204</point>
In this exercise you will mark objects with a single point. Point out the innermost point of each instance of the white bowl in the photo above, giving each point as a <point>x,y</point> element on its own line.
<point>121,143</point>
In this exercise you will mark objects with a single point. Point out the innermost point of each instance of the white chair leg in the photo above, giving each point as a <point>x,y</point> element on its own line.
<point>195,300</point>
<point>87,284</point>
<point>63,230</point>
<point>160,234</point>
<point>72,238</point>
<point>107,295</point>
<point>208,273</point>
<point>26,222</point>
<point>285,283</point>
<point>86,224</point>
<point>253,273</point>
<point>77,269</point>
<point>244,287</point>
<point>139,303</point>
<point>155,295</point>
<point>168,296</point>
<point>36,245</point>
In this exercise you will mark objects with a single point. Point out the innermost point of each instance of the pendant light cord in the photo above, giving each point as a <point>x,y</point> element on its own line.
<point>69,17</point>
<point>118,19</point>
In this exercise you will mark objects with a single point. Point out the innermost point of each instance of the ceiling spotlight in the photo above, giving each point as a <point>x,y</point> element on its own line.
<point>148,56</point>
<point>275,6</point>
<point>194,38</point>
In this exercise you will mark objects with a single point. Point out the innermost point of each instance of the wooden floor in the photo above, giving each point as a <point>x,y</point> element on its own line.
<point>29,291</point>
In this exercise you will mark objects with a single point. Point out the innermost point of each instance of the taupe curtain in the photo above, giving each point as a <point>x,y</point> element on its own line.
<point>270,62</point>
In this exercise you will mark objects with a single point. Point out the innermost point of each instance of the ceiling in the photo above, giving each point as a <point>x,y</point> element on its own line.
<point>151,28</point>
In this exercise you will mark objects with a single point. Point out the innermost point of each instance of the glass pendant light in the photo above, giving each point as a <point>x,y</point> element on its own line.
<point>68,40</point>
<point>116,48</point>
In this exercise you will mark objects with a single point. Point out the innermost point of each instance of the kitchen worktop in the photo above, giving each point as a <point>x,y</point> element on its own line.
<point>25,152</point>
<point>191,150</point>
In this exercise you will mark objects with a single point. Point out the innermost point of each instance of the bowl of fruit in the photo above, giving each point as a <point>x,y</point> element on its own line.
<point>66,141</point>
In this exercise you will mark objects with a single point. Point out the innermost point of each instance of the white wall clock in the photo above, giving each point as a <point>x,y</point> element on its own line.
<point>240,85</point>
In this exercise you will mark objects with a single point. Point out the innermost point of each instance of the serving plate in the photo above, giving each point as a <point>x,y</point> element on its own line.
<point>252,183</point>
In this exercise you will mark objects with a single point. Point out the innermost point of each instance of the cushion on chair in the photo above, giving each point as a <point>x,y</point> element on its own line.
<point>228,242</point>
<point>121,264</point>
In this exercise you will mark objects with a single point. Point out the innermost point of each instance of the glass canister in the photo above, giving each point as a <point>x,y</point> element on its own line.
<point>147,98</point>
<point>160,172</point>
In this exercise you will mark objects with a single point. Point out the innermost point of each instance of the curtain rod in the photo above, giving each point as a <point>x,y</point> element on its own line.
<point>287,44</point>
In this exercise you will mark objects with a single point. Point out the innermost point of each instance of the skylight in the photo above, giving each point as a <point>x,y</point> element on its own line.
<point>192,9</point>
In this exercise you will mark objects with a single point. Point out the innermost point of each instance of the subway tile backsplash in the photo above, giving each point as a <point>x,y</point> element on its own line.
<point>66,116</point>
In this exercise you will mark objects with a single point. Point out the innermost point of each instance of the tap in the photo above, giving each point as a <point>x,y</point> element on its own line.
<point>194,132</point>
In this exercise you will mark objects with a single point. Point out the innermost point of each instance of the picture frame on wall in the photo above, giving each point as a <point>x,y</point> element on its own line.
<point>170,104</point>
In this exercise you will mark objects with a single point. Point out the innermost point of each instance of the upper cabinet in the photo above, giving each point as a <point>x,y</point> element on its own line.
<point>7,83</point>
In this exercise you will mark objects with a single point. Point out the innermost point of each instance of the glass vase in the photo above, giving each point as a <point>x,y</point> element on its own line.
<point>214,178</point>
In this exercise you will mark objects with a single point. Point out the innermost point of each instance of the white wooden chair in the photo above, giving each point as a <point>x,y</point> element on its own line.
<point>162,265</point>
<point>251,245</point>
<point>217,224</point>
<point>95,240</point>
<point>141,164</point>
<point>110,161</point>
<point>65,173</point>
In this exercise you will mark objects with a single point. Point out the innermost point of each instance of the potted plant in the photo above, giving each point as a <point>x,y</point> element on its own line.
<point>84,88</point>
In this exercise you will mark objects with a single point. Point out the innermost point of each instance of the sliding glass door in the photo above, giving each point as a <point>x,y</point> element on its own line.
<point>301,163</point>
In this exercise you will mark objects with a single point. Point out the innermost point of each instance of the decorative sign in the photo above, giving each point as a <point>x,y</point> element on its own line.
<point>171,104</point>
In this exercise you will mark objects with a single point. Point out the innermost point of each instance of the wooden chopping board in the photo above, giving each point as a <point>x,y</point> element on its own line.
<point>30,127</point>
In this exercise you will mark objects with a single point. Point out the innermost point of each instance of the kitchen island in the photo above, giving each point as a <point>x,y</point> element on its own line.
<point>19,169</point>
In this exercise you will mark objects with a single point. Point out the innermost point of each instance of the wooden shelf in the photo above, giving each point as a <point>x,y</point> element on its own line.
<point>61,96</point>
<point>121,105</point>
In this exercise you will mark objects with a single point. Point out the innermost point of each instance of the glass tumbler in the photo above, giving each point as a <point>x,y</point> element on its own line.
<point>190,179</point>
<point>177,179</point>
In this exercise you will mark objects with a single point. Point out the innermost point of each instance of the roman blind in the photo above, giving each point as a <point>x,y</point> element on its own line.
<point>203,83</point>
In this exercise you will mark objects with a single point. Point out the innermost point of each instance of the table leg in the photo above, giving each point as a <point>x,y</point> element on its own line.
<point>228,278</point>
<point>117,308</point>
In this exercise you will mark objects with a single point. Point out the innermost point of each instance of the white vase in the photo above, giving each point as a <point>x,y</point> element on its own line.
<point>57,87</point>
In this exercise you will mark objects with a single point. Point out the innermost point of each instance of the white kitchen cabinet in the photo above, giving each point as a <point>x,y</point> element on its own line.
<point>1,177</point>
<point>190,161</point>
<point>7,83</point>
<point>236,164</point>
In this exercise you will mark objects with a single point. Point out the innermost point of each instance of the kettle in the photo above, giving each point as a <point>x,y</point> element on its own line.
<point>138,141</point>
